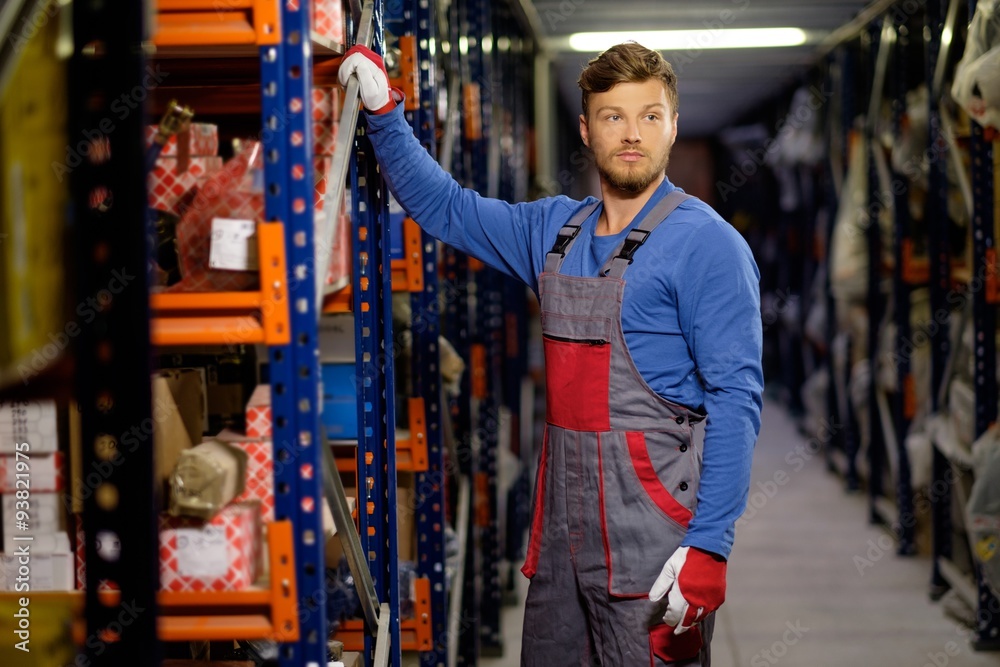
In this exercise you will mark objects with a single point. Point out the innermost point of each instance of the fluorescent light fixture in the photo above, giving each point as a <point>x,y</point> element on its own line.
<point>707,38</point>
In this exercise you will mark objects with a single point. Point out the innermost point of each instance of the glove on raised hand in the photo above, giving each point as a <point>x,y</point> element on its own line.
<point>376,93</point>
<point>694,582</point>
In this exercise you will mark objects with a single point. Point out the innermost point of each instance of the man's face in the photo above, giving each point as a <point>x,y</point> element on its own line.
<point>631,129</point>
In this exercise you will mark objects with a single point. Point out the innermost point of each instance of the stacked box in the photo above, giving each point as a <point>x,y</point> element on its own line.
<point>200,139</point>
<point>33,422</point>
<point>222,554</point>
<point>259,483</point>
<point>45,572</point>
<point>259,413</point>
<point>45,473</point>
<point>42,522</point>
<point>171,184</point>
<point>328,19</point>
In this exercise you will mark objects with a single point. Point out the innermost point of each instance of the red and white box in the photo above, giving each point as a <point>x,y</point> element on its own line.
<point>31,422</point>
<point>199,140</point>
<point>258,413</point>
<point>326,120</point>
<point>328,19</point>
<point>223,554</point>
<point>39,473</point>
<point>259,482</point>
<point>338,273</point>
<point>172,180</point>
<point>105,541</point>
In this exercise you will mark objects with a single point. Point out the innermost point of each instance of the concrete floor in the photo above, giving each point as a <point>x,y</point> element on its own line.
<point>807,558</point>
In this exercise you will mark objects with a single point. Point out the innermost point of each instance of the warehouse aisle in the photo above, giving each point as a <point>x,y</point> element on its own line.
<point>798,595</point>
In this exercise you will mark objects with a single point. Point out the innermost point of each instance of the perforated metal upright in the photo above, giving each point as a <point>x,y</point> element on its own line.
<point>112,351</point>
<point>984,317</point>
<point>936,213</point>
<point>417,19</point>
<point>372,281</point>
<point>905,398</point>
<point>286,83</point>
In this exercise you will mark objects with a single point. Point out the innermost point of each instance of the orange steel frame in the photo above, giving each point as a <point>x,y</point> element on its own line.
<point>226,318</point>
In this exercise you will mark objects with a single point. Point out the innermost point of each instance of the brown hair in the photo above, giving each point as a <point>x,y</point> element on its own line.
<point>627,63</point>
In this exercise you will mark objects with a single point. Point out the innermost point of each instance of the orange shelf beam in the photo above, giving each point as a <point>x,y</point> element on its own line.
<point>255,613</point>
<point>226,318</point>
<point>408,273</point>
<point>414,633</point>
<point>200,23</point>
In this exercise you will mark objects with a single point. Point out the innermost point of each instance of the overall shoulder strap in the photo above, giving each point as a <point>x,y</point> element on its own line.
<point>622,257</point>
<point>567,235</point>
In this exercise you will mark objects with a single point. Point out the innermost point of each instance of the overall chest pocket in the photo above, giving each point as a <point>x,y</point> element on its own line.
<point>577,371</point>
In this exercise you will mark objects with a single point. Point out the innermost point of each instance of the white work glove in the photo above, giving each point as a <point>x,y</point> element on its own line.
<point>376,93</point>
<point>694,582</point>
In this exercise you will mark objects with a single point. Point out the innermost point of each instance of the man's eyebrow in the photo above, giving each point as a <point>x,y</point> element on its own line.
<point>620,110</point>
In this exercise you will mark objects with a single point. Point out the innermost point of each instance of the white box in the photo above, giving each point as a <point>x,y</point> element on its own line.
<point>46,572</point>
<point>33,422</point>
<point>40,543</point>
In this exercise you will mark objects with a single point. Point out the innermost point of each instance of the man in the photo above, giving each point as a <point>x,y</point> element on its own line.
<point>647,327</point>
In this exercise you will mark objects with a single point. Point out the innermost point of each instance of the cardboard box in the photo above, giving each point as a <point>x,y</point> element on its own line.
<point>170,184</point>
<point>170,433</point>
<point>259,413</point>
<point>200,140</point>
<point>44,473</point>
<point>223,554</point>
<point>46,572</point>
<point>333,550</point>
<point>259,483</point>
<point>187,387</point>
<point>406,510</point>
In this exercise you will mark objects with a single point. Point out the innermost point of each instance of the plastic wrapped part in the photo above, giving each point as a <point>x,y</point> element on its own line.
<point>977,77</point>
<point>983,509</point>
<point>234,192</point>
<point>849,251</point>
<point>206,478</point>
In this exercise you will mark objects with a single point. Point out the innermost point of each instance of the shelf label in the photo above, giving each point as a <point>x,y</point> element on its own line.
<point>234,245</point>
<point>202,552</point>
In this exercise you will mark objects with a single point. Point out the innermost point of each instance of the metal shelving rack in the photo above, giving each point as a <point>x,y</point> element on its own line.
<point>984,318</point>
<point>113,354</point>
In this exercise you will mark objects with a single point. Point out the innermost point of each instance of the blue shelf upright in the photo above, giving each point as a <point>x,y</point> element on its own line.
<point>286,97</point>
<point>416,20</point>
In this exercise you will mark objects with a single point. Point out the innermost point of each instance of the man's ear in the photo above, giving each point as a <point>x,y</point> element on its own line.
<point>584,131</point>
<point>674,137</point>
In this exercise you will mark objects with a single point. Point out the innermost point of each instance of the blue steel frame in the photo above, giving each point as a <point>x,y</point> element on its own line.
<point>418,21</point>
<point>488,329</point>
<point>937,242</point>
<point>901,301</point>
<point>984,317</point>
<point>372,282</point>
<point>286,96</point>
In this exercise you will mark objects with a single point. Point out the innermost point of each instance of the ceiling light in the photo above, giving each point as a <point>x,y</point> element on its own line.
<point>707,38</point>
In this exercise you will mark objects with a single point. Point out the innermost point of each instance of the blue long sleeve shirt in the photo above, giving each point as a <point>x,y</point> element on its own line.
<point>695,338</point>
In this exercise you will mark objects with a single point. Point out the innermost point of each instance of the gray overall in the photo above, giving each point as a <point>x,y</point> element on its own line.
<point>616,484</point>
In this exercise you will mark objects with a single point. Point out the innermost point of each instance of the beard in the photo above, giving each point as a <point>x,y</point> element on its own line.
<point>632,178</point>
